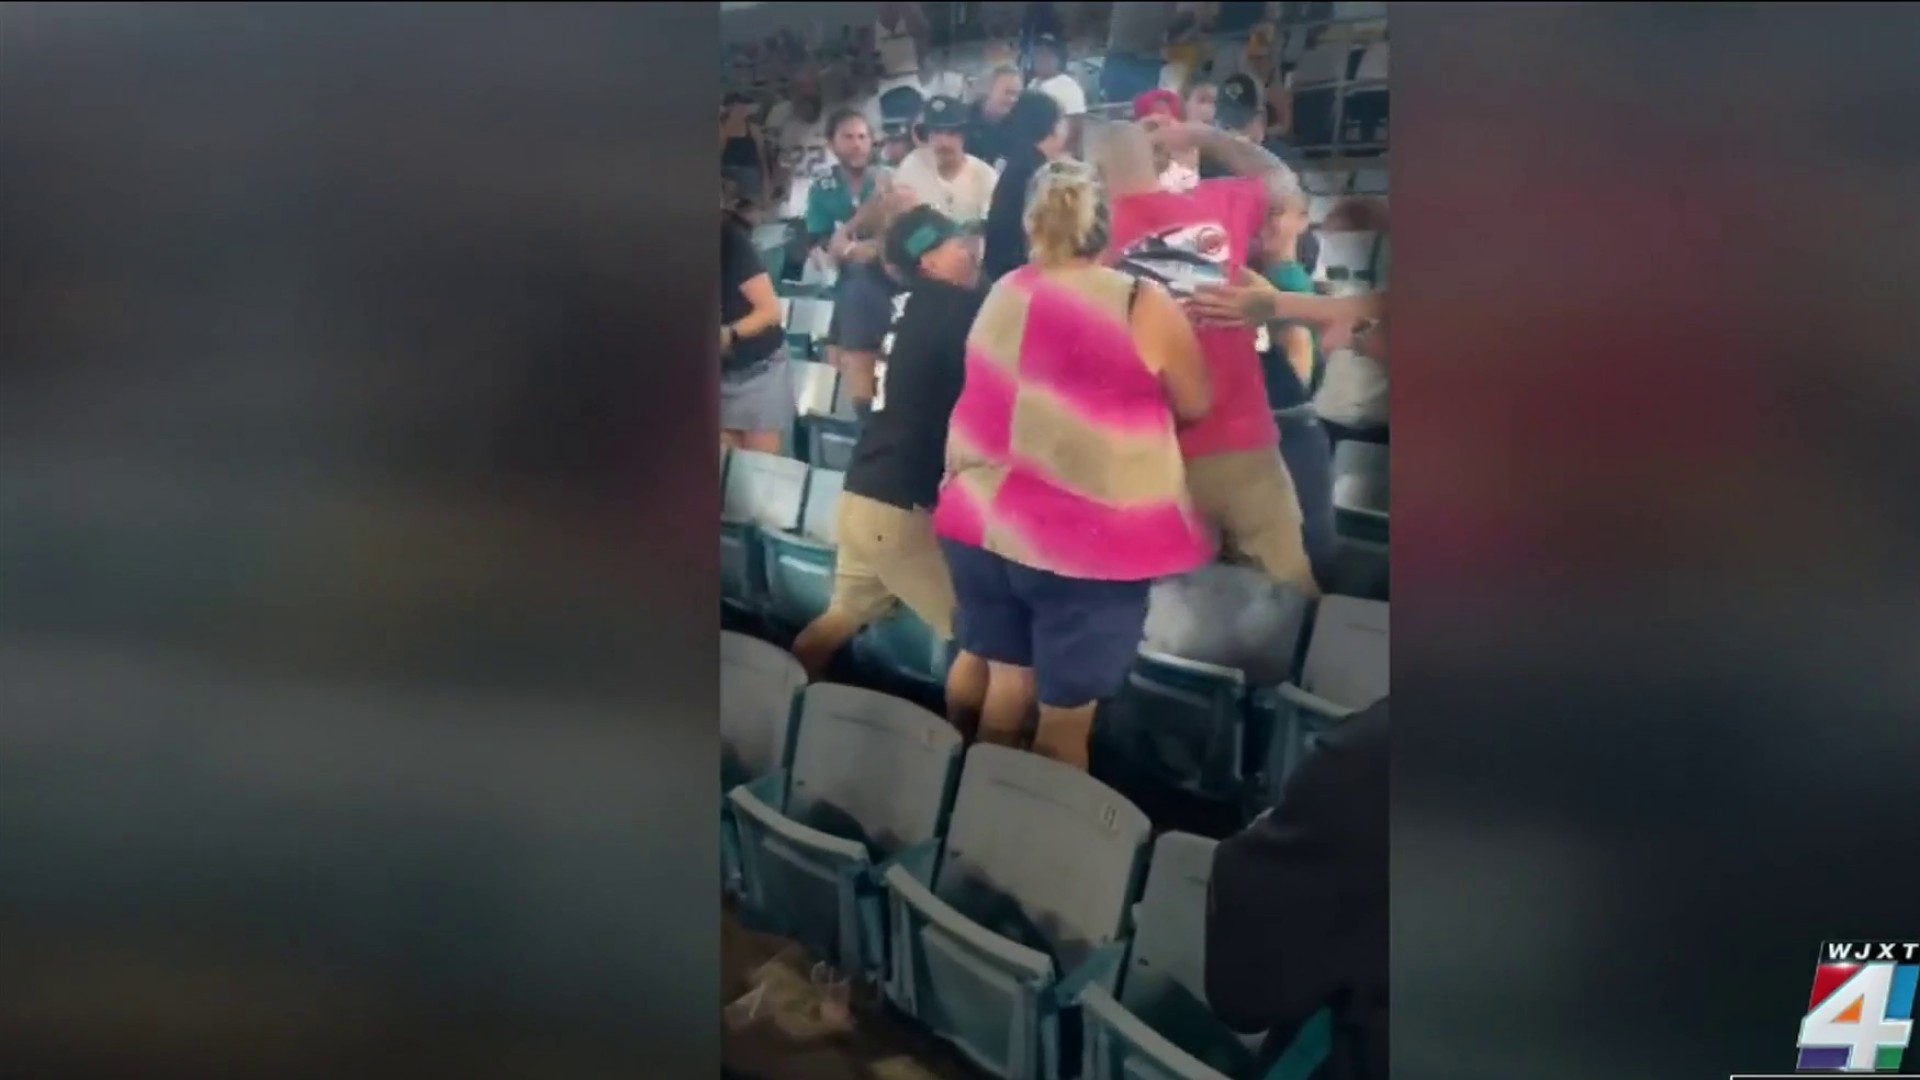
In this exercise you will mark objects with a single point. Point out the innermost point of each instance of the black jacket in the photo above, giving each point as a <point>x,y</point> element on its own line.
<point>1297,919</point>
<point>1006,233</point>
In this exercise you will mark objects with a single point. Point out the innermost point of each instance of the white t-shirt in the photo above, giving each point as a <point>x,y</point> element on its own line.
<point>1065,90</point>
<point>965,198</point>
<point>944,84</point>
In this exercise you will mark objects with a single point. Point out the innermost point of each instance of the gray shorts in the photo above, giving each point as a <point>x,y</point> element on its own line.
<point>759,398</point>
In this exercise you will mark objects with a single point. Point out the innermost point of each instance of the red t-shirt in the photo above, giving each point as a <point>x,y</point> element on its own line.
<point>1180,239</point>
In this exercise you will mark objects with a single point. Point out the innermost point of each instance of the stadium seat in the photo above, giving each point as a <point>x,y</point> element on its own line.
<point>1361,489</point>
<point>830,442</point>
<point>872,775</point>
<point>1325,63</point>
<point>1346,257</point>
<point>1325,182</point>
<point>764,492</point>
<point>1370,181</point>
<point>1373,63</point>
<point>800,565</point>
<point>758,684</point>
<point>814,387</point>
<point>1182,719</point>
<point>1158,1026</point>
<point>906,648</point>
<point>1345,670</point>
<point>1027,904</point>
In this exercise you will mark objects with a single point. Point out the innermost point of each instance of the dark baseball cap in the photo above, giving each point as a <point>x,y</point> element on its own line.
<point>1238,101</point>
<point>899,106</point>
<point>944,113</point>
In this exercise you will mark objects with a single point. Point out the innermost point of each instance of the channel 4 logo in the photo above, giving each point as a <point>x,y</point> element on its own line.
<point>1860,1018</point>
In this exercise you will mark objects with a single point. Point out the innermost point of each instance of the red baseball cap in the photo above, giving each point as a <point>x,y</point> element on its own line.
<point>1161,101</point>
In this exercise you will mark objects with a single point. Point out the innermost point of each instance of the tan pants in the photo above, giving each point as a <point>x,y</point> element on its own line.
<point>889,554</point>
<point>1248,496</point>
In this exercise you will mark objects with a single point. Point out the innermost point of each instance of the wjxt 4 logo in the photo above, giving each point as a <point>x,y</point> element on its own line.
<point>1860,1019</point>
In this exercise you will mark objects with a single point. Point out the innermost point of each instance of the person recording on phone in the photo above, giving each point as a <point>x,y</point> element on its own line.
<point>1297,907</point>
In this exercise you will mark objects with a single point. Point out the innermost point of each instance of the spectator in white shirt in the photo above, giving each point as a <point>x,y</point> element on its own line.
<point>942,174</point>
<point>1050,78</point>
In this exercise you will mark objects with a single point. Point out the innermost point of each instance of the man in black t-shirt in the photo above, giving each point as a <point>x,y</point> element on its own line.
<point>887,550</point>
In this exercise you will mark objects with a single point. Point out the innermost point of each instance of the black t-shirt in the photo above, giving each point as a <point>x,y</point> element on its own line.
<point>903,444</point>
<point>987,139</point>
<point>739,264</point>
<point>1006,232</point>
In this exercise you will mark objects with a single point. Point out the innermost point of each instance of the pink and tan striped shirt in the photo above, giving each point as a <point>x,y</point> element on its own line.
<point>1061,454</point>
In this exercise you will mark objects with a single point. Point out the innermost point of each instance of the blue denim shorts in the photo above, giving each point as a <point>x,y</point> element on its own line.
<point>1078,635</point>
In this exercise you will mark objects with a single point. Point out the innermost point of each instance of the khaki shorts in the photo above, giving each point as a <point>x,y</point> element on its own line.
<point>1248,496</point>
<point>888,554</point>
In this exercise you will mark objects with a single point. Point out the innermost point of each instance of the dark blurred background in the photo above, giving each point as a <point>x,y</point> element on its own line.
<point>1657,544</point>
<point>342,388</point>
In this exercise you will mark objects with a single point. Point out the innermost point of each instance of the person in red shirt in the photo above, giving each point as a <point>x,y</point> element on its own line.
<point>1185,241</point>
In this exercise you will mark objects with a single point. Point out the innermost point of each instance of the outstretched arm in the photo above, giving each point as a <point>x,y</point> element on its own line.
<point>1243,156</point>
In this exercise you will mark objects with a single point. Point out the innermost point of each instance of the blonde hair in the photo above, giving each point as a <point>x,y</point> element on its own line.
<point>1066,213</point>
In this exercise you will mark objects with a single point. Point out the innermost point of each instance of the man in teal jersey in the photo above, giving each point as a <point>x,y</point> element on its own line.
<point>844,219</point>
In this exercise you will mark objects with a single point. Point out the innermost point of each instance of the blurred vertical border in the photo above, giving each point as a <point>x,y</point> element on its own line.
<point>1657,556</point>
<point>357,579</point>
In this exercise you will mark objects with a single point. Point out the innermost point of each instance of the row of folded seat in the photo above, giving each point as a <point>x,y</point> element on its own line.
<point>1017,908</point>
<point>777,553</point>
<point>1213,732</point>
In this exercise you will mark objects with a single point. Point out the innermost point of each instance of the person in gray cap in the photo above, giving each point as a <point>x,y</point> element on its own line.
<point>942,174</point>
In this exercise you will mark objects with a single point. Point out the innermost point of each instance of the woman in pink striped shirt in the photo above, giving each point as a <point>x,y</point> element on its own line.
<point>1066,494</point>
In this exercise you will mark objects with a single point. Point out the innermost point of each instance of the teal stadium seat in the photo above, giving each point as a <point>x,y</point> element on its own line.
<point>872,775</point>
<point>832,437</point>
<point>800,565</point>
<point>764,492</point>
<point>1345,670</point>
<point>760,685</point>
<point>1183,718</point>
<point>994,934</point>
<point>905,648</point>
<point>1159,1026</point>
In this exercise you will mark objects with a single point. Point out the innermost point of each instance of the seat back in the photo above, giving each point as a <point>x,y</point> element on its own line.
<point>818,521</point>
<point>872,768</point>
<point>1347,656</point>
<point>1345,256</point>
<point>1041,853</point>
<point>758,682</point>
<point>764,490</point>
<point>1165,980</point>
<point>1361,477</point>
<point>830,441</point>
<point>814,386</point>
<point>1229,617</point>
<point>871,775</point>
<point>1323,64</point>
<point>1325,181</point>
<point>1373,63</point>
<point>1371,181</point>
